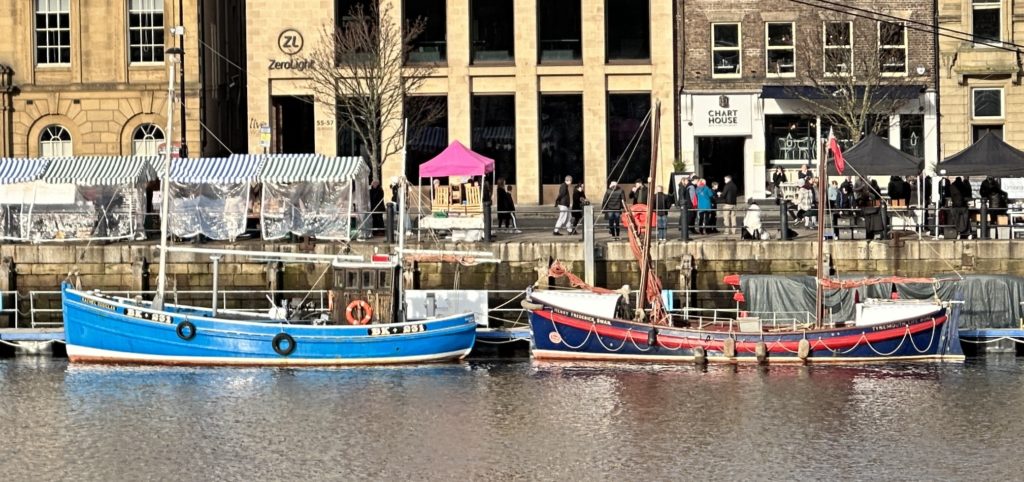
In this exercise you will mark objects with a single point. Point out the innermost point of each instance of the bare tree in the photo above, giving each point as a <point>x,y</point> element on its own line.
<point>359,74</point>
<point>856,89</point>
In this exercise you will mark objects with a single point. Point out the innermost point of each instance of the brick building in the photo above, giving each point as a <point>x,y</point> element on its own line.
<point>82,78</point>
<point>753,71</point>
<point>546,88</point>
<point>980,78</point>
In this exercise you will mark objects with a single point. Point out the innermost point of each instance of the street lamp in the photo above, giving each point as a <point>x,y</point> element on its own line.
<point>179,31</point>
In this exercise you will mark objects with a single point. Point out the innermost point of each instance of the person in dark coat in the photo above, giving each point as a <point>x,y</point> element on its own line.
<point>377,207</point>
<point>959,194</point>
<point>895,188</point>
<point>994,195</point>
<point>727,204</point>
<point>611,206</point>
<point>684,198</point>
<point>579,199</point>
<point>662,204</point>
<point>778,177</point>
<point>563,201</point>
<point>505,205</point>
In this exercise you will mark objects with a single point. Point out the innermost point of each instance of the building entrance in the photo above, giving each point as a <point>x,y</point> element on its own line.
<point>721,156</point>
<point>293,124</point>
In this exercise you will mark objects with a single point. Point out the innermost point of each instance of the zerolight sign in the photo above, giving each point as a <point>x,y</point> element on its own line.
<point>721,115</point>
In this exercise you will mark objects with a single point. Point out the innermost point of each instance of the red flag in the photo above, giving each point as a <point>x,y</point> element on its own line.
<point>837,154</point>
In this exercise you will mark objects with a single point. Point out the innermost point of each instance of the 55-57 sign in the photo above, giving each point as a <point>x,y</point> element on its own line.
<point>290,41</point>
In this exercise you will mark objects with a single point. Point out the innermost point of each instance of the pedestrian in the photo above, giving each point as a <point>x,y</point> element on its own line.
<point>662,204</point>
<point>504,206</point>
<point>638,195</point>
<point>805,203</point>
<point>691,194</point>
<point>778,177</point>
<point>752,222</point>
<point>730,192</point>
<point>377,207</point>
<point>682,200</point>
<point>705,198</point>
<point>395,185</point>
<point>563,201</point>
<point>512,209</point>
<point>895,188</point>
<point>804,173</point>
<point>833,195</point>
<point>611,206</point>
<point>579,199</point>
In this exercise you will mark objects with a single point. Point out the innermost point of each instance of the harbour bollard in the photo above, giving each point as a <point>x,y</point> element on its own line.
<point>984,218</point>
<point>487,221</point>
<point>684,223</point>
<point>783,222</point>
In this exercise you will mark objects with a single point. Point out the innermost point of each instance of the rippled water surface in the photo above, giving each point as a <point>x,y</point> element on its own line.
<point>512,420</point>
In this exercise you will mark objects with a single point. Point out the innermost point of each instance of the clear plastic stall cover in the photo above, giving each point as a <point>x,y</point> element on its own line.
<point>217,211</point>
<point>320,209</point>
<point>95,213</point>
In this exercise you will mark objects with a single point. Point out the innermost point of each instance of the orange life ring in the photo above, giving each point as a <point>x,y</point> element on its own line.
<point>363,307</point>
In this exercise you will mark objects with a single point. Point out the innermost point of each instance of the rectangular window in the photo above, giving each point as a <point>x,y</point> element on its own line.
<point>986,21</point>
<point>629,138</point>
<point>892,48</point>
<point>353,14</point>
<point>53,32</point>
<point>493,118</point>
<point>145,31</point>
<point>492,30</point>
<point>561,138</point>
<point>780,50</point>
<point>430,46</point>
<point>979,131</point>
<point>838,51</point>
<point>428,131</point>
<point>559,30</point>
<point>987,103</point>
<point>627,30</point>
<point>725,50</point>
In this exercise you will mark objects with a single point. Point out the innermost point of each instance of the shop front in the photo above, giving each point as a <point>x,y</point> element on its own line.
<point>721,135</point>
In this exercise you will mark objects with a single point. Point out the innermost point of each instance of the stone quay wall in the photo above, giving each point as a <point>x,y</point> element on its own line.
<point>121,267</point>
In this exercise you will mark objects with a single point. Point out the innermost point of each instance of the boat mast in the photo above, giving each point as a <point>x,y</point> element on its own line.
<point>165,195</point>
<point>822,185</point>
<point>645,267</point>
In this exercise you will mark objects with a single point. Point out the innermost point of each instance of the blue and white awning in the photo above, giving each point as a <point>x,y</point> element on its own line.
<point>215,170</point>
<point>17,170</point>
<point>309,168</point>
<point>101,170</point>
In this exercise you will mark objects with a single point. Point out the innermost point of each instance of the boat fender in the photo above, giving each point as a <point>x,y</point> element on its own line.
<point>186,330</point>
<point>531,306</point>
<point>283,344</point>
<point>761,352</point>
<point>700,356</point>
<point>729,347</point>
<point>803,349</point>
<point>363,307</point>
<point>652,337</point>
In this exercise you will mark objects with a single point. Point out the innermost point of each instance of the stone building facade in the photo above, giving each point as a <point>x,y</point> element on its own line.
<point>90,78</point>
<point>980,76</point>
<point>750,68</point>
<point>547,88</point>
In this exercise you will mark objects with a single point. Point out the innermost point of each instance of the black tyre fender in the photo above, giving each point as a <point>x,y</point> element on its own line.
<point>186,330</point>
<point>283,344</point>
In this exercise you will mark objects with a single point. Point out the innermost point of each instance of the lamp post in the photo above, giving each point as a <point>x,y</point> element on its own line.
<point>179,31</point>
<point>172,56</point>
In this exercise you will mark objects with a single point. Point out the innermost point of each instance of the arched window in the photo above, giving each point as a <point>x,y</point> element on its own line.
<point>55,141</point>
<point>146,140</point>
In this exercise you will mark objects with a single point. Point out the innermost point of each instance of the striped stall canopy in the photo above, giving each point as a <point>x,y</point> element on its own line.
<point>17,170</point>
<point>101,170</point>
<point>309,168</point>
<point>215,170</point>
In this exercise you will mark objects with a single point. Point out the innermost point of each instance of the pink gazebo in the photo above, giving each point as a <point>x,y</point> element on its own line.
<point>457,160</point>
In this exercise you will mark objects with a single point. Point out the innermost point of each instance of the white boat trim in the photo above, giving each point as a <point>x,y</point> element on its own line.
<point>556,355</point>
<point>95,355</point>
<point>267,254</point>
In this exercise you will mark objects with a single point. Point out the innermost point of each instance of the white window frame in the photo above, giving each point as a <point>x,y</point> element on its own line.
<point>1002,104</point>
<point>148,8</point>
<point>987,5</point>
<point>738,49</point>
<point>769,48</point>
<point>51,10</point>
<point>825,47</point>
<point>53,144</point>
<point>149,145</point>
<point>906,58</point>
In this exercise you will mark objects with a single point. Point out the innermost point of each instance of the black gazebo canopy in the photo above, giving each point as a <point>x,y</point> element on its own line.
<point>874,156</point>
<point>990,156</point>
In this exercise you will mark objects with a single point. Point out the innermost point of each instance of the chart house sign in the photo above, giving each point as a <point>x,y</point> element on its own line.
<point>290,43</point>
<point>721,115</point>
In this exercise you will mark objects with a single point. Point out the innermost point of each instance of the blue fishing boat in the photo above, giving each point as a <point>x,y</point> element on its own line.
<point>359,328</point>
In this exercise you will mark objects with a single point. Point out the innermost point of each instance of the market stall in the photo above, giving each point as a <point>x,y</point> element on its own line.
<point>19,185</point>
<point>103,198</point>
<point>457,208</point>
<point>210,196</point>
<point>312,195</point>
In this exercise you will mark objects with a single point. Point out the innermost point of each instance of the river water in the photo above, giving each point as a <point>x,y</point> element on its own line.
<point>501,420</point>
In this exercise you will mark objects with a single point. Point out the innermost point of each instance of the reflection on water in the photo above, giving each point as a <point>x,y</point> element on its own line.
<point>503,420</point>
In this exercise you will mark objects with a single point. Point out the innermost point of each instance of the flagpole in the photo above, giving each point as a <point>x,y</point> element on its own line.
<point>819,293</point>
